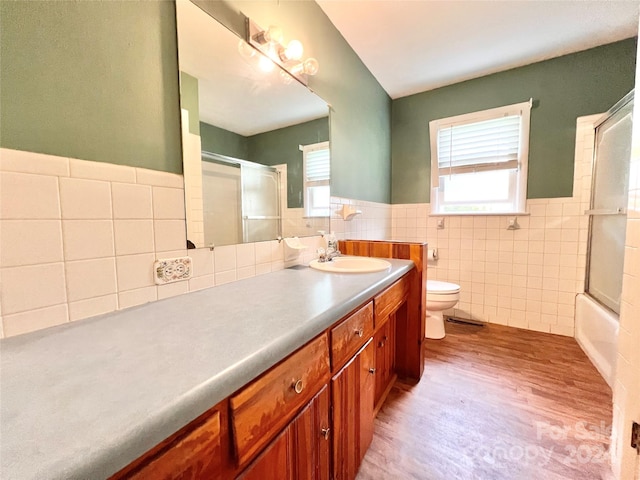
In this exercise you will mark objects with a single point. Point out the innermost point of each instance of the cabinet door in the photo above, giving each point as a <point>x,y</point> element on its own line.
<point>192,455</point>
<point>366,365</point>
<point>353,391</point>
<point>275,463</point>
<point>301,451</point>
<point>311,437</point>
<point>380,341</point>
<point>385,348</point>
<point>390,345</point>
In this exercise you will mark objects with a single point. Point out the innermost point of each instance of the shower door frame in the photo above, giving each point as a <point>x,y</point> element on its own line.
<point>238,162</point>
<point>629,97</point>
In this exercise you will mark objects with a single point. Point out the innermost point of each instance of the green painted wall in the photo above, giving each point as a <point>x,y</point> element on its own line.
<point>218,140</point>
<point>99,81</point>
<point>360,109</point>
<point>282,146</point>
<point>563,89</point>
<point>91,80</point>
<point>189,100</point>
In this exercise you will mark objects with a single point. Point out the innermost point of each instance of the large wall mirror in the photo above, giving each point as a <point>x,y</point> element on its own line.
<point>255,140</point>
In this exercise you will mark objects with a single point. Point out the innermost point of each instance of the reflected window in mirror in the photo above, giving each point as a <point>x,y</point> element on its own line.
<point>316,160</point>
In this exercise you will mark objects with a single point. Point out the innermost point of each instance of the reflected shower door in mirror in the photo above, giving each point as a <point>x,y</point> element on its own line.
<point>255,141</point>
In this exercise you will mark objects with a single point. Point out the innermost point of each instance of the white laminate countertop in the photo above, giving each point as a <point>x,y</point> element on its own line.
<point>83,400</point>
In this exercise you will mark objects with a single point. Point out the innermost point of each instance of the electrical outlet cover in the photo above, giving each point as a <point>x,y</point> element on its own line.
<point>168,270</point>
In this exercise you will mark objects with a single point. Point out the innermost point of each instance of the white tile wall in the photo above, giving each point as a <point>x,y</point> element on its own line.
<point>85,239</point>
<point>133,236</point>
<point>32,287</point>
<point>79,239</point>
<point>373,224</point>
<point>29,197</point>
<point>525,278</point>
<point>28,237</point>
<point>85,199</point>
<point>131,201</point>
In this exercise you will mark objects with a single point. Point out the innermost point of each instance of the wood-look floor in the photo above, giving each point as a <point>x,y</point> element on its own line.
<point>495,403</point>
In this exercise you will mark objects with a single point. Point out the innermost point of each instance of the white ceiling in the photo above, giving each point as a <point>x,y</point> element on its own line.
<point>412,46</point>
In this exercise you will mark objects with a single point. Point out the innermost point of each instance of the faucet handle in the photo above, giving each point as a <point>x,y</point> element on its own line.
<point>322,254</point>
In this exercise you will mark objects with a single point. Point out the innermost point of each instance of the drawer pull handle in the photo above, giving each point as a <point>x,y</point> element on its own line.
<point>325,432</point>
<point>298,386</point>
<point>360,332</point>
<point>372,371</point>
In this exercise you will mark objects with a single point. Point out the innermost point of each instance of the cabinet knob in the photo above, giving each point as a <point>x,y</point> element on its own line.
<point>360,332</point>
<point>325,432</point>
<point>381,343</point>
<point>298,386</point>
<point>372,371</point>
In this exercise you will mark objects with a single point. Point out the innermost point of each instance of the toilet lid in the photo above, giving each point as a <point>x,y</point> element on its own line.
<point>435,286</point>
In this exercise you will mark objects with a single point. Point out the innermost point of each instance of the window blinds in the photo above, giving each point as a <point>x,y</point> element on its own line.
<point>485,145</point>
<point>317,165</point>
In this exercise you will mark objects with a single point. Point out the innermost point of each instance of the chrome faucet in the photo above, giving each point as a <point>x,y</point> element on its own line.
<point>327,255</point>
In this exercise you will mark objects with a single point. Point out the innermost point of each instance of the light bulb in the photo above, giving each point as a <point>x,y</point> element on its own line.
<point>311,66</point>
<point>297,69</point>
<point>274,34</point>
<point>294,50</point>
<point>246,50</point>
<point>285,77</point>
<point>265,64</point>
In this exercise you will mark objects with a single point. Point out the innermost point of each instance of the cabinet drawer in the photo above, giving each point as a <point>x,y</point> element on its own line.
<point>350,334</point>
<point>389,300</point>
<point>192,455</point>
<point>261,409</point>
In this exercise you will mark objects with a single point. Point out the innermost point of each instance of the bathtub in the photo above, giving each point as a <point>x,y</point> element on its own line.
<point>597,335</point>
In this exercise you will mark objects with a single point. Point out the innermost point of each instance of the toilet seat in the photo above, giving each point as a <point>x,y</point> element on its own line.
<point>440,288</point>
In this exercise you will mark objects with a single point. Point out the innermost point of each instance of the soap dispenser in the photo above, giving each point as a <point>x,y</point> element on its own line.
<point>332,242</point>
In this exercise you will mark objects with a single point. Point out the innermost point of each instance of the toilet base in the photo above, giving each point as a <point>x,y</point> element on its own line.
<point>434,325</point>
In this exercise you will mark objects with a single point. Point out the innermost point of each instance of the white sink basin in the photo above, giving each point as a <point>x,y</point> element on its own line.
<point>351,265</point>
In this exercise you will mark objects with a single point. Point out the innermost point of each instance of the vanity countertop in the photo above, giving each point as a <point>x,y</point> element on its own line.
<point>85,399</point>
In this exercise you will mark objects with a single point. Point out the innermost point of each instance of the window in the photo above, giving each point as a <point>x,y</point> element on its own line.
<point>316,173</point>
<point>479,161</point>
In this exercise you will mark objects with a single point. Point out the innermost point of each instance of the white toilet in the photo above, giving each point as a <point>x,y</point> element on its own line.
<point>440,297</point>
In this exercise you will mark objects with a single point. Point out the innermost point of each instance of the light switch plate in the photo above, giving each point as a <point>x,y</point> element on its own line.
<point>168,270</point>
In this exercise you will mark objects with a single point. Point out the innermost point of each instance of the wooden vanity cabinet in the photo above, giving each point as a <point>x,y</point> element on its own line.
<point>387,305</point>
<point>265,406</point>
<point>352,394</point>
<point>302,450</point>
<point>310,417</point>
<point>197,451</point>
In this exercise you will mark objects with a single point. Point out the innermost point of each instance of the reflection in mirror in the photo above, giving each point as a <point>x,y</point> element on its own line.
<point>255,142</point>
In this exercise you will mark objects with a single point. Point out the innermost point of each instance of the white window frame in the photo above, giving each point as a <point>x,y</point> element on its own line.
<point>438,206</point>
<point>309,209</point>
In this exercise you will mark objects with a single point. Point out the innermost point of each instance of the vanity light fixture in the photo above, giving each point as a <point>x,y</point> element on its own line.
<point>270,44</point>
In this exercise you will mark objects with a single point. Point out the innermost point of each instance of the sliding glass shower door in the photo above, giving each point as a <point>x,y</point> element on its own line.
<point>609,194</point>
<point>260,203</point>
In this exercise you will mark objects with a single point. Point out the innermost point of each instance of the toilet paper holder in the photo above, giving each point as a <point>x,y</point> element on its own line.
<point>432,255</point>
